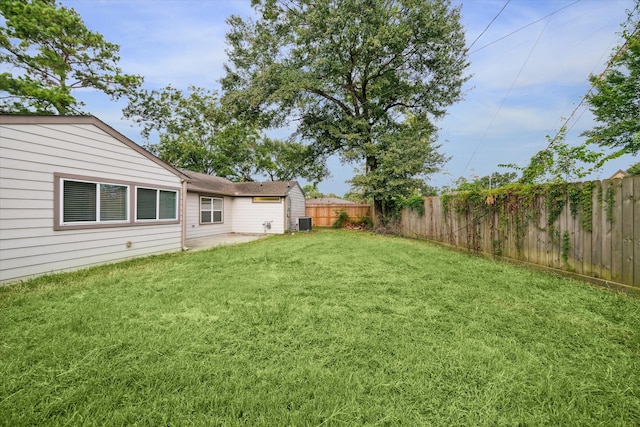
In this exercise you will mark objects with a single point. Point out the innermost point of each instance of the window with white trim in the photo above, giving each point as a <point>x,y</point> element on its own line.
<point>153,204</point>
<point>211,210</point>
<point>94,202</point>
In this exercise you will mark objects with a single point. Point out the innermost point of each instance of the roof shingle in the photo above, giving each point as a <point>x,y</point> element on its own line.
<point>215,185</point>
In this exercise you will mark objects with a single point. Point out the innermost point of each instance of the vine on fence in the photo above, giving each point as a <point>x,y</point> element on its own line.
<point>414,202</point>
<point>587,206</point>
<point>516,204</point>
<point>610,202</point>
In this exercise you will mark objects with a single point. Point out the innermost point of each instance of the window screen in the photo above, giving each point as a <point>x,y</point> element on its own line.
<point>79,201</point>
<point>146,203</point>
<point>113,202</point>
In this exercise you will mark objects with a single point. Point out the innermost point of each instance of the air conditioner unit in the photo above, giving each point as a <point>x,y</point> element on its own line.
<point>304,224</point>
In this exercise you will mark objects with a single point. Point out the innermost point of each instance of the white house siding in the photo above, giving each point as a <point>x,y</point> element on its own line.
<point>249,217</point>
<point>195,229</point>
<point>296,206</point>
<point>30,154</point>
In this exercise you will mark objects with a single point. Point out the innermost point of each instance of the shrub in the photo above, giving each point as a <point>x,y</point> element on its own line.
<point>342,220</point>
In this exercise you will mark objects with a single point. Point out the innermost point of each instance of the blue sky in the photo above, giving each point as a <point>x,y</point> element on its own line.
<point>522,88</point>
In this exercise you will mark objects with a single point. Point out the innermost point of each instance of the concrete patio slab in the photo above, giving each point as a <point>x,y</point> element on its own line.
<point>221,240</point>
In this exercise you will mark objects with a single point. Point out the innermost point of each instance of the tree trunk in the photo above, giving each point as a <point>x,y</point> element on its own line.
<point>378,214</point>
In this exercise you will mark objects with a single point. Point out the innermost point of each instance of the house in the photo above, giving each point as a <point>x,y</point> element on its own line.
<point>216,205</point>
<point>76,193</point>
<point>329,201</point>
<point>619,174</point>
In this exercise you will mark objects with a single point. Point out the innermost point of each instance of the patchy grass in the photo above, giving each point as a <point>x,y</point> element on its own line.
<point>328,328</point>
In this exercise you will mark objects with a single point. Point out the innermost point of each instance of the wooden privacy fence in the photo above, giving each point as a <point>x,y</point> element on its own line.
<point>591,228</point>
<point>324,215</point>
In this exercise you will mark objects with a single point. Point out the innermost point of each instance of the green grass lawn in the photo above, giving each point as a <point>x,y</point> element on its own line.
<point>327,328</point>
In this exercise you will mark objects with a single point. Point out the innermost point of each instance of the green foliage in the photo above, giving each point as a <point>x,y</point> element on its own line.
<point>610,202</point>
<point>342,220</point>
<point>519,205</point>
<point>555,201</point>
<point>574,194</point>
<point>365,80</point>
<point>587,206</point>
<point>414,202</point>
<point>494,180</point>
<point>615,101</point>
<point>566,246</point>
<point>54,54</point>
<point>559,162</point>
<point>196,133</point>
<point>366,222</point>
<point>634,170</point>
<point>311,191</point>
<point>404,160</point>
<point>288,160</point>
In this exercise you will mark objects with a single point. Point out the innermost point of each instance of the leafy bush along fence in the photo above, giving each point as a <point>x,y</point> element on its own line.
<point>324,215</point>
<point>590,228</point>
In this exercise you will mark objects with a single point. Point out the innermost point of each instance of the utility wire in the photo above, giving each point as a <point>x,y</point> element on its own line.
<point>526,26</point>
<point>610,64</point>
<point>475,151</point>
<point>489,24</point>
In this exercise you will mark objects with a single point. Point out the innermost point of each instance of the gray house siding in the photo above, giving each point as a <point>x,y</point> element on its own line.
<point>296,207</point>
<point>195,229</point>
<point>36,150</point>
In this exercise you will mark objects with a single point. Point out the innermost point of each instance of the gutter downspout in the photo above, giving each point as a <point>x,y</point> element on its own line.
<point>288,211</point>
<point>183,237</point>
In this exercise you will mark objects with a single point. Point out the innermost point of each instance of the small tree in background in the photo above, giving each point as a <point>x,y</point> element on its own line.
<point>634,170</point>
<point>615,102</point>
<point>195,132</point>
<point>53,54</point>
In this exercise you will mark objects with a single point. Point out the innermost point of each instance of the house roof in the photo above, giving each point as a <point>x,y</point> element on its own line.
<point>203,183</point>
<point>33,119</point>
<point>329,201</point>
<point>266,188</point>
<point>198,182</point>
<point>620,174</point>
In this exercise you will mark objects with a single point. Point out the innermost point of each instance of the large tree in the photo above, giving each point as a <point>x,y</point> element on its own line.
<point>615,101</point>
<point>351,74</point>
<point>50,53</point>
<point>195,132</point>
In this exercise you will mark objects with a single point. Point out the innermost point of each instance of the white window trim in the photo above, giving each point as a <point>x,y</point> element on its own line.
<point>97,220</point>
<point>211,210</point>
<point>157,218</point>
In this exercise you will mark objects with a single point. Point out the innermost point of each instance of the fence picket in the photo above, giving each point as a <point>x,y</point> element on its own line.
<point>610,251</point>
<point>626,228</point>
<point>324,215</point>
<point>636,234</point>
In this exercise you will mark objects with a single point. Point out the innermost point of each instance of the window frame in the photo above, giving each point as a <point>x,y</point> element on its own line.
<point>267,199</point>
<point>211,210</point>
<point>157,207</point>
<point>98,203</point>
<point>58,203</point>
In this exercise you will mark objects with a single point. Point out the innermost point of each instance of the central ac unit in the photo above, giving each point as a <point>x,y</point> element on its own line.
<point>304,224</point>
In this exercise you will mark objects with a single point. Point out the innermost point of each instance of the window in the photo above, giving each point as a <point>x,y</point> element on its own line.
<point>210,210</point>
<point>94,202</point>
<point>83,202</point>
<point>266,200</point>
<point>155,204</point>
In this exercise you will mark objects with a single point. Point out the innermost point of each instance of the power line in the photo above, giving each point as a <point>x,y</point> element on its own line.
<point>610,64</point>
<point>489,24</point>
<point>526,26</point>
<point>475,151</point>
